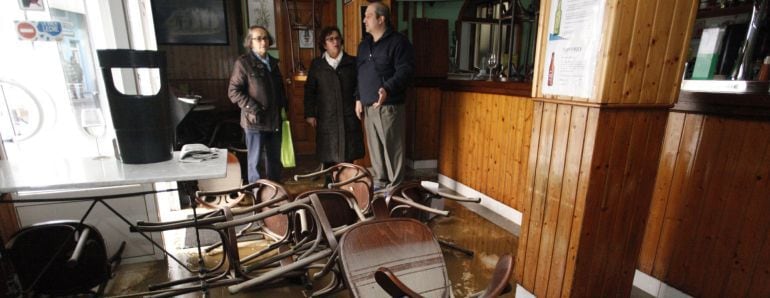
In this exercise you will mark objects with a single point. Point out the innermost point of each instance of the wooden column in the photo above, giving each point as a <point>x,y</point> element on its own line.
<point>593,161</point>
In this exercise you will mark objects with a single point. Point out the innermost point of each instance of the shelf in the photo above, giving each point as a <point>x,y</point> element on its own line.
<point>483,20</point>
<point>721,12</point>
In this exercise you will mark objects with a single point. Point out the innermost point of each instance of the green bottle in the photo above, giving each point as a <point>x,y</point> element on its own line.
<point>557,19</point>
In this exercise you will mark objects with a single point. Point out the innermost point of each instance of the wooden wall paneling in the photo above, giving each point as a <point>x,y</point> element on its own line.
<point>351,26</point>
<point>568,196</point>
<point>527,200</point>
<point>448,139</point>
<point>759,285</point>
<point>608,191</point>
<point>713,207</point>
<point>576,231</point>
<point>617,57</point>
<point>676,51</point>
<point>629,184</point>
<point>753,231</point>
<point>673,225</point>
<point>552,198</point>
<point>646,14</point>
<point>429,113</point>
<point>642,175</point>
<point>509,131</point>
<point>512,134</point>
<point>664,177</point>
<point>695,190</point>
<point>494,154</point>
<point>424,111</point>
<point>736,198</point>
<point>489,139</point>
<point>538,196</point>
<point>592,206</point>
<point>657,45</point>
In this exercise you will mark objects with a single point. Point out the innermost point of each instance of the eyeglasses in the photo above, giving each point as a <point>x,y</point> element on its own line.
<point>333,38</point>
<point>260,38</point>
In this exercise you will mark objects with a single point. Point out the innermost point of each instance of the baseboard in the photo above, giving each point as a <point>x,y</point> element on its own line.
<point>521,292</point>
<point>486,201</point>
<point>422,164</point>
<point>655,287</point>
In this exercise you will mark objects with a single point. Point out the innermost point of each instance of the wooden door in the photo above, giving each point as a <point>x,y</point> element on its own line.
<point>299,12</point>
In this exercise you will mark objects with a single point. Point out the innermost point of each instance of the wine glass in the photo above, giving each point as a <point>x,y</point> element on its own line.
<point>92,122</point>
<point>492,63</point>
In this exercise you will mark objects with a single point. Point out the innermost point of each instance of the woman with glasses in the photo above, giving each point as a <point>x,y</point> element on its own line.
<point>330,102</point>
<point>256,86</point>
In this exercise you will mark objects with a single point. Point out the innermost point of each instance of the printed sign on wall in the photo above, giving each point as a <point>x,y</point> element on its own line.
<point>39,30</point>
<point>574,36</point>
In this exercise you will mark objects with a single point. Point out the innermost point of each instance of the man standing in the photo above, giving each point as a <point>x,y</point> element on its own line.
<point>256,86</point>
<point>385,68</point>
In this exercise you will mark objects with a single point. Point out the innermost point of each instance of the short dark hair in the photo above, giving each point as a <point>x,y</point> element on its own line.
<point>248,37</point>
<point>325,32</point>
<point>382,10</point>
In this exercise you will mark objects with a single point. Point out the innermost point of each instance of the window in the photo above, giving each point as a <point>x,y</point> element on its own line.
<point>46,87</point>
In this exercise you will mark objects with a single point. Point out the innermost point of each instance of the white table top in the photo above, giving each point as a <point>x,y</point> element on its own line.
<point>86,172</point>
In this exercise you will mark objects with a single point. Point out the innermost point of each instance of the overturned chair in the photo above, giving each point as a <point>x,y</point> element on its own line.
<point>353,178</point>
<point>400,257</point>
<point>60,258</point>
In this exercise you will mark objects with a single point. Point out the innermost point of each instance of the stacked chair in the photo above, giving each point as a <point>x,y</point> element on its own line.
<point>374,244</point>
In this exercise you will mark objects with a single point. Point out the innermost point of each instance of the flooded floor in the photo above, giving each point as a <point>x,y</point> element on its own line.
<point>463,228</point>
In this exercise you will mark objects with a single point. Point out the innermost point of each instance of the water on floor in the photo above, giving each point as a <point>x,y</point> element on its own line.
<point>464,229</point>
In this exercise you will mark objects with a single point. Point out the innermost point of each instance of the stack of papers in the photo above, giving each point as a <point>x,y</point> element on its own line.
<point>197,153</point>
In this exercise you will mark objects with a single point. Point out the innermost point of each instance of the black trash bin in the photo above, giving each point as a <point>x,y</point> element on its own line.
<point>142,123</point>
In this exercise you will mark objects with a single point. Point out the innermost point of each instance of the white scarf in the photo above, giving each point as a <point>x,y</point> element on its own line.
<point>333,61</point>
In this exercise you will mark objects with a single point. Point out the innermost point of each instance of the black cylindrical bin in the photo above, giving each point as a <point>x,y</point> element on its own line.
<point>142,122</point>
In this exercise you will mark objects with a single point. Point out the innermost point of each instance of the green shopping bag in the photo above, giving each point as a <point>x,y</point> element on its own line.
<point>287,146</point>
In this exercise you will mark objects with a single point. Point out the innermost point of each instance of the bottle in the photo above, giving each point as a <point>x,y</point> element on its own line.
<point>551,69</point>
<point>557,20</point>
<point>764,71</point>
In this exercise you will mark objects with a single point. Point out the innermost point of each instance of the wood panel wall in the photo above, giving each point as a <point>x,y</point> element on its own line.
<point>484,143</point>
<point>205,70</point>
<point>423,110</point>
<point>588,188</point>
<point>708,233</point>
<point>648,47</point>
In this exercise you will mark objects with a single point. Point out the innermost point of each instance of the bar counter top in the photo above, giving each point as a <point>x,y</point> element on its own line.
<point>86,172</point>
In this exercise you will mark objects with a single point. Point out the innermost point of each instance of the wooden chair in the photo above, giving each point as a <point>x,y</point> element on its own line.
<point>353,178</point>
<point>61,258</point>
<point>233,180</point>
<point>400,257</point>
<point>232,270</point>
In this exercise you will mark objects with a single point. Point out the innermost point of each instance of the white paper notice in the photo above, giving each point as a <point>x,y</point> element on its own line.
<point>574,35</point>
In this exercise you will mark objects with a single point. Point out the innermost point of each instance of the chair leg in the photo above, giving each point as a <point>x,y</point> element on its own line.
<point>452,246</point>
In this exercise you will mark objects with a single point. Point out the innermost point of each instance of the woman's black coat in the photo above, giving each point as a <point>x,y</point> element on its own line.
<point>330,98</point>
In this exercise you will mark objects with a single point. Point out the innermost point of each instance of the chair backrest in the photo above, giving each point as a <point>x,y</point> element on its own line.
<point>276,225</point>
<point>32,247</point>
<point>360,182</point>
<point>231,181</point>
<point>403,245</point>
<point>413,191</point>
<point>339,207</point>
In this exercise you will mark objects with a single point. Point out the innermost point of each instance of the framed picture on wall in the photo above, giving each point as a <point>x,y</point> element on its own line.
<point>306,40</point>
<point>262,13</point>
<point>31,5</point>
<point>191,22</point>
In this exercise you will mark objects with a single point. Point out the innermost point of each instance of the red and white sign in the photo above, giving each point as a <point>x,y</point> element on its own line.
<point>40,30</point>
<point>26,30</point>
